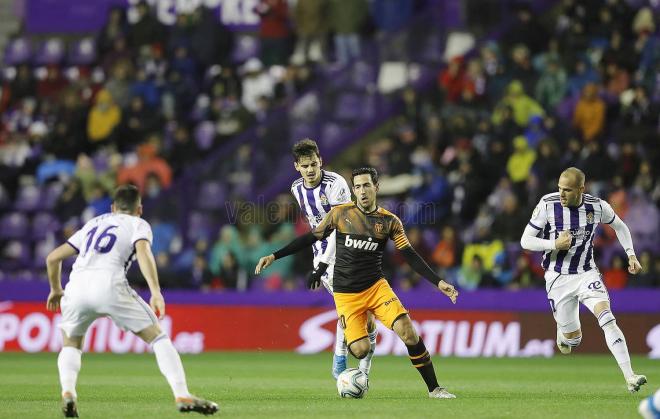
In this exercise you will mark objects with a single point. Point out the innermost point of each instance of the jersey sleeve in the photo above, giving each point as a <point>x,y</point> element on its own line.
<point>339,192</point>
<point>607,215</point>
<point>398,234</point>
<point>539,216</point>
<point>327,225</point>
<point>142,231</point>
<point>76,240</point>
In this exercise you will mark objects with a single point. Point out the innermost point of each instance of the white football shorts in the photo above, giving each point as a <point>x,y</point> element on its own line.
<point>95,294</point>
<point>565,292</point>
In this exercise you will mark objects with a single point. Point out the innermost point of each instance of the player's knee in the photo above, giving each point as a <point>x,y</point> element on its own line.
<point>360,348</point>
<point>151,334</point>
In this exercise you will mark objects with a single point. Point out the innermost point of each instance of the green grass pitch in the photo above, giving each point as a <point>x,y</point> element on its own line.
<point>286,385</point>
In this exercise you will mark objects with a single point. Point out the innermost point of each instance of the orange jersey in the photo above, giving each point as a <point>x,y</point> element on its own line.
<point>361,239</point>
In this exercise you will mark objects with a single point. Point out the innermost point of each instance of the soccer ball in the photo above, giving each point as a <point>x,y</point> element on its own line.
<point>352,383</point>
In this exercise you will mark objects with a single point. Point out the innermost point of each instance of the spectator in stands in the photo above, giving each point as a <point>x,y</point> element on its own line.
<point>89,176</point>
<point>521,68</point>
<point>118,53</point>
<point>473,275</point>
<point>519,165</point>
<point>138,121</point>
<point>274,31</point>
<point>522,106</point>
<point>589,115</point>
<point>311,22</point>
<point>447,252</point>
<point>23,86</point>
<point>583,74</point>
<point>615,277</point>
<point>53,84</point>
<point>148,163</point>
<point>146,29</point>
<point>104,118</point>
<point>71,203</point>
<point>551,87</point>
<point>212,42</point>
<point>115,28</point>
<point>182,150</point>
<point>256,83</point>
<point>523,274</point>
<point>452,80</point>
<point>346,20</point>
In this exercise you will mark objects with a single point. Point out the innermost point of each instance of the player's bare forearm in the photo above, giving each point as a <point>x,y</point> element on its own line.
<point>147,265</point>
<point>54,264</point>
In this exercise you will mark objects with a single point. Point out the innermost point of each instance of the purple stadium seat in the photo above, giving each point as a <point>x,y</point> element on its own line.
<point>51,194</point>
<point>245,48</point>
<point>363,75</point>
<point>349,106</point>
<point>331,134</point>
<point>41,251</point>
<point>28,199</point>
<point>433,49</point>
<point>301,130</point>
<point>200,225</point>
<point>204,135</point>
<point>44,223</point>
<point>82,52</point>
<point>14,255</point>
<point>211,196</point>
<point>13,225</point>
<point>50,51</point>
<point>18,51</point>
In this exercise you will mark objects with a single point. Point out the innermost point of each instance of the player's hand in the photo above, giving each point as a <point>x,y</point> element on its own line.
<point>314,278</point>
<point>54,298</point>
<point>157,303</point>
<point>634,267</point>
<point>448,290</point>
<point>264,262</point>
<point>563,242</point>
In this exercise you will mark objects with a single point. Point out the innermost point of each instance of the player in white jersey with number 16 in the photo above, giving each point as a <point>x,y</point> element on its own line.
<point>317,191</point>
<point>106,247</point>
<point>566,221</point>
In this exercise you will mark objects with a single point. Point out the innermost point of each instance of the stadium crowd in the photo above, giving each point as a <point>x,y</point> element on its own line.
<point>463,164</point>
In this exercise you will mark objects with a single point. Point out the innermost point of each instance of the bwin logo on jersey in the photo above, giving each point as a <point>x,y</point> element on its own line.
<point>360,244</point>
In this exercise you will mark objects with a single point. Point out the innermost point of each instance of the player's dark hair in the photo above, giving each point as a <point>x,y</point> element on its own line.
<point>305,148</point>
<point>365,171</point>
<point>127,198</point>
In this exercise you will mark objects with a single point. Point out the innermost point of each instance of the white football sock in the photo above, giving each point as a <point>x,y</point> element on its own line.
<point>340,345</point>
<point>617,344</point>
<point>365,363</point>
<point>170,365</point>
<point>68,363</point>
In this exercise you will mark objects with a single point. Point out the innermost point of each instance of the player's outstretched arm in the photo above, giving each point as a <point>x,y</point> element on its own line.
<point>296,245</point>
<point>54,269</point>
<point>625,239</point>
<point>147,265</point>
<point>422,268</point>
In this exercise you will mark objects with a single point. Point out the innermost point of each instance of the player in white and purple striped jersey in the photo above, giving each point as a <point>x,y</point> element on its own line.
<point>317,191</point>
<point>563,226</point>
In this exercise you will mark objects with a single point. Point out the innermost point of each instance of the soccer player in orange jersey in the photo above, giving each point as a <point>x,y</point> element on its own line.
<point>362,230</point>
